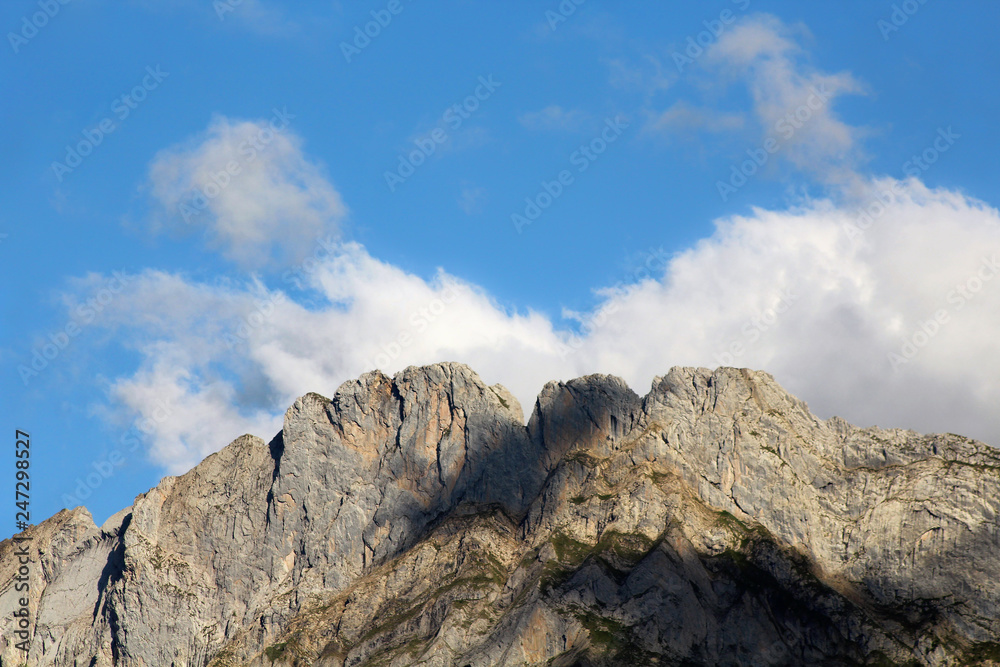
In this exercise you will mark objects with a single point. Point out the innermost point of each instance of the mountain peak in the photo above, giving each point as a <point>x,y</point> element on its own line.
<point>418,520</point>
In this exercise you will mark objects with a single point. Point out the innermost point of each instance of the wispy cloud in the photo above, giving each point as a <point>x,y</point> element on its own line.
<point>648,76</point>
<point>263,17</point>
<point>471,199</point>
<point>682,117</point>
<point>554,117</point>
<point>791,107</point>
<point>762,52</point>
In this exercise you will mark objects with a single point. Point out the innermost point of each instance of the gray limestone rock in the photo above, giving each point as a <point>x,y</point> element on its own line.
<point>416,520</point>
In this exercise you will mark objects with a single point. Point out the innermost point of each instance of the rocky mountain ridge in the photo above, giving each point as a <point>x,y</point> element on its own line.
<point>416,520</point>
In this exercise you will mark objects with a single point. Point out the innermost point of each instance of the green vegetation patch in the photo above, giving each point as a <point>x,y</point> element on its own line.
<point>480,571</point>
<point>731,523</point>
<point>224,658</point>
<point>981,467</point>
<point>880,659</point>
<point>412,648</point>
<point>659,477</point>
<point>605,632</point>
<point>177,591</point>
<point>980,653</point>
<point>553,576</point>
<point>570,550</point>
<point>529,558</point>
<point>770,449</point>
<point>613,551</point>
<point>614,642</point>
<point>394,620</point>
<point>579,500</point>
<point>584,458</point>
<point>630,547</point>
<point>275,651</point>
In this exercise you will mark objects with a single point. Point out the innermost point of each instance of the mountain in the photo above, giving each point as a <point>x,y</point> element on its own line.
<point>416,520</point>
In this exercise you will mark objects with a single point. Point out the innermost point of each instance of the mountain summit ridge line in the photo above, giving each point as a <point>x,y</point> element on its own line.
<point>417,520</point>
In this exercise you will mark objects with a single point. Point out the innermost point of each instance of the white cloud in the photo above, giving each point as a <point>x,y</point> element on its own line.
<point>681,117</point>
<point>471,199</point>
<point>250,188</point>
<point>258,16</point>
<point>554,117</point>
<point>226,359</point>
<point>646,77</point>
<point>190,415</point>
<point>791,102</point>
<point>848,303</point>
<point>851,304</point>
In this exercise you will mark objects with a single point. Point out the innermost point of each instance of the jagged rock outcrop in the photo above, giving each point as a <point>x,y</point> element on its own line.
<point>417,520</point>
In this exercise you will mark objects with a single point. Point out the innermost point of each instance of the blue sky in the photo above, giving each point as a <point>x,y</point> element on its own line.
<point>240,229</point>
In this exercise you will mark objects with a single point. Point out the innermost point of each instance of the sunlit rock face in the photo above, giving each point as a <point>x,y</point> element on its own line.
<point>416,520</point>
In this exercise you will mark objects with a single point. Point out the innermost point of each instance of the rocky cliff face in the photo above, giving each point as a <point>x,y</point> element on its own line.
<point>416,520</point>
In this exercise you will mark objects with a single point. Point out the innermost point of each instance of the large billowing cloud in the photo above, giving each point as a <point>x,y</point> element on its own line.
<point>224,360</point>
<point>887,319</point>
<point>880,302</point>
